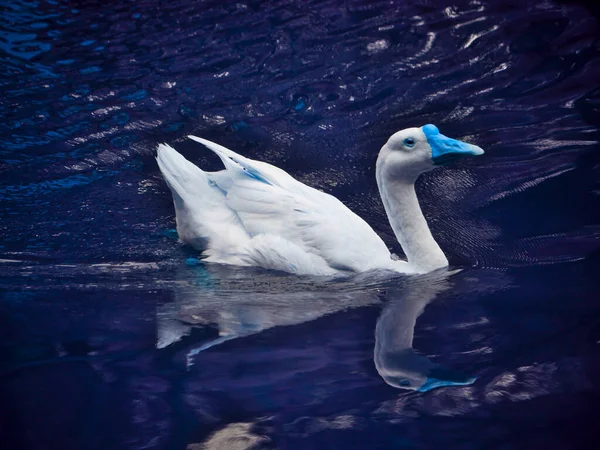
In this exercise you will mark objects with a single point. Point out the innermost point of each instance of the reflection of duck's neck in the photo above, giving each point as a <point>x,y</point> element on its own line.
<point>395,359</point>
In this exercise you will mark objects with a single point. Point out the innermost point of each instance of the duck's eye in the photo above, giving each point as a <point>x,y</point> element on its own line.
<point>404,383</point>
<point>409,142</point>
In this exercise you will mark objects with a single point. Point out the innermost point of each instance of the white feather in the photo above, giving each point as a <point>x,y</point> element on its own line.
<point>253,213</point>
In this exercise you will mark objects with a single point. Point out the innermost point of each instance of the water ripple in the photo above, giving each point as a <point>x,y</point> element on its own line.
<point>506,78</point>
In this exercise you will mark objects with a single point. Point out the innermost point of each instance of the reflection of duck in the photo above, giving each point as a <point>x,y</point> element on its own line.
<point>255,214</point>
<point>247,303</point>
<point>395,359</point>
<point>243,306</point>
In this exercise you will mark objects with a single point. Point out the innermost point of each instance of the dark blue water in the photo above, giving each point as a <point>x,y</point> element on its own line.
<point>112,338</point>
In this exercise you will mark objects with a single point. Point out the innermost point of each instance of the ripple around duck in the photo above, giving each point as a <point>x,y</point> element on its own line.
<point>480,83</point>
<point>509,77</point>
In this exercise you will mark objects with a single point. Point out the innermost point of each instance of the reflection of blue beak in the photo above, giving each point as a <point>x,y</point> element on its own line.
<point>441,376</point>
<point>433,383</point>
<point>445,149</point>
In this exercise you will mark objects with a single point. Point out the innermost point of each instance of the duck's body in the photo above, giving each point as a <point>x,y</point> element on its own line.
<point>255,214</point>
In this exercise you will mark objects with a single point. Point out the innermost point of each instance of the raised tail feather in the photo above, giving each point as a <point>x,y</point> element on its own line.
<point>204,221</point>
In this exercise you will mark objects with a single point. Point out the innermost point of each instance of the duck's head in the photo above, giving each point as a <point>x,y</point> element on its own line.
<point>413,151</point>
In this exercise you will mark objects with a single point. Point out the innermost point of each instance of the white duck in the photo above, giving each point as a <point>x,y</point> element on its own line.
<point>255,214</point>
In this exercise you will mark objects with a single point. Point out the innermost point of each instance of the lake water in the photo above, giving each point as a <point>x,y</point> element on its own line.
<point>114,336</point>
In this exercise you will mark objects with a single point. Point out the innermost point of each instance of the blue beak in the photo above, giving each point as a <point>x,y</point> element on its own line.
<point>445,149</point>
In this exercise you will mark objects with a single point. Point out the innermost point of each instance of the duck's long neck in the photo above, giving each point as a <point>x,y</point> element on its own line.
<point>409,225</point>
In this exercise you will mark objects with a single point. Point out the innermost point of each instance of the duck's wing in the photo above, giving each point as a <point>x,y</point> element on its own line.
<point>268,201</point>
<point>203,218</point>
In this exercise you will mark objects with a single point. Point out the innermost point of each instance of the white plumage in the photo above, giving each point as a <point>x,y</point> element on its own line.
<point>255,214</point>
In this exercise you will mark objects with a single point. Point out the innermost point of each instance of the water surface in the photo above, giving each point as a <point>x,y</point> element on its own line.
<point>112,337</point>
